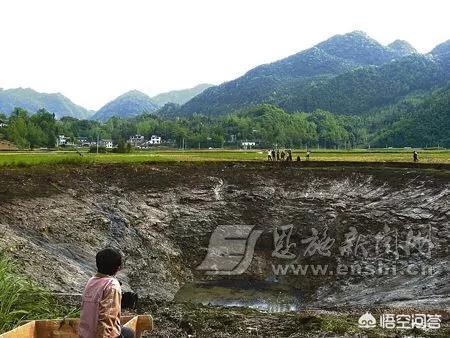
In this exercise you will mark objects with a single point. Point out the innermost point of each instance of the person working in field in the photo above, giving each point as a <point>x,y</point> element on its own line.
<point>102,297</point>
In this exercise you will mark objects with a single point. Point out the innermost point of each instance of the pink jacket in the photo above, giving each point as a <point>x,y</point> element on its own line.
<point>100,308</point>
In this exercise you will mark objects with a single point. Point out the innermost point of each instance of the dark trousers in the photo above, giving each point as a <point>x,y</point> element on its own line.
<point>125,332</point>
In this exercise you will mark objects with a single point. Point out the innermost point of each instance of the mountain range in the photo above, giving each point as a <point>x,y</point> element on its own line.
<point>126,105</point>
<point>349,74</point>
<point>134,102</point>
<point>346,74</point>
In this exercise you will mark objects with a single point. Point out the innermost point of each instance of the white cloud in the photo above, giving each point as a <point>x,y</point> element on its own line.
<point>92,51</point>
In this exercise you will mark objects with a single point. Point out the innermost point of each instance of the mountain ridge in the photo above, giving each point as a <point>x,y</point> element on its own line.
<point>32,100</point>
<point>129,104</point>
<point>180,96</point>
<point>288,79</point>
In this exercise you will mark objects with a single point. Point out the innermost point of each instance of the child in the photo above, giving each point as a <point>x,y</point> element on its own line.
<point>100,307</point>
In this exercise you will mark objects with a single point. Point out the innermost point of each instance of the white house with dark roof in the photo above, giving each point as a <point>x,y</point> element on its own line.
<point>108,144</point>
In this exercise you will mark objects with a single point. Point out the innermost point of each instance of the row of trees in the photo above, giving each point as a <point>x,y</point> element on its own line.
<point>28,131</point>
<point>266,124</point>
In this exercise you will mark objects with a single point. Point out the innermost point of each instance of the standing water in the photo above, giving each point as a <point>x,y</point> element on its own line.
<point>259,295</point>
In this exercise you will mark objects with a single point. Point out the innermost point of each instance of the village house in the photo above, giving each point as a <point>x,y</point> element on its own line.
<point>61,141</point>
<point>64,141</point>
<point>108,144</point>
<point>83,142</point>
<point>155,139</point>
<point>248,144</point>
<point>136,140</point>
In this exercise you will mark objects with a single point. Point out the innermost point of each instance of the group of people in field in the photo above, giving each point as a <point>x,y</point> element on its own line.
<point>286,155</point>
<point>283,155</point>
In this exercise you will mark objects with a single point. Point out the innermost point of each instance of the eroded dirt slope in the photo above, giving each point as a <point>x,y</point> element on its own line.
<point>54,219</point>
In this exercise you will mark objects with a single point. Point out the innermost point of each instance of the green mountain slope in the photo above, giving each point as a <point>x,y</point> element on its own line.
<point>416,121</point>
<point>180,96</point>
<point>130,104</point>
<point>280,80</point>
<point>366,88</point>
<point>32,101</point>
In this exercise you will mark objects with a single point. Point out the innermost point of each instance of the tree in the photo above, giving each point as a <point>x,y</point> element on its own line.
<point>17,129</point>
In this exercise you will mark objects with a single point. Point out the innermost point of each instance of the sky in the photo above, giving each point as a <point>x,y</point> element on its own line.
<point>93,50</point>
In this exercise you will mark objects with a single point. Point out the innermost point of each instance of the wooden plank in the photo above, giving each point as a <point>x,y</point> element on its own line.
<point>138,324</point>
<point>132,324</point>
<point>66,328</point>
<point>24,331</point>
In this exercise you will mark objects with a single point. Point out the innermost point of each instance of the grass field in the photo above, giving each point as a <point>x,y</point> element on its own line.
<point>69,157</point>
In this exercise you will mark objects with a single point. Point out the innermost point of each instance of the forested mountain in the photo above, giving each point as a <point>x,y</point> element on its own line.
<point>358,47</point>
<point>348,74</point>
<point>129,104</point>
<point>180,96</point>
<point>364,89</point>
<point>416,121</point>
<point>32,101</point>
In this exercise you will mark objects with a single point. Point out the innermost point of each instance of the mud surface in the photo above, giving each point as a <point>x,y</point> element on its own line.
<point>54,219</point>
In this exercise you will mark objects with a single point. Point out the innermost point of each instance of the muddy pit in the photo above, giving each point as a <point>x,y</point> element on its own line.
<point>54,219</point>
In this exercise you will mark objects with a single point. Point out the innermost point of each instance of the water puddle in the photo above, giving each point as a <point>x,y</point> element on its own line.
<point>259,295</point>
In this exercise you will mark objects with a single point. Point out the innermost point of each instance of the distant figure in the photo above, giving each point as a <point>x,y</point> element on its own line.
<point>307,155</point>
<point>415,156</point>
<point>102,298</point>
<point>298,158</point>
<point>278,154</point>
<point>282,155</point>
<point>289,156</point>
<point>273,155</point>
<point>269,155</point>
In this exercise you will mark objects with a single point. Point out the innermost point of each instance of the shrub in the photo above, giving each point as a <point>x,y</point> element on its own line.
<point>101,150</point>
<point>21,299</point>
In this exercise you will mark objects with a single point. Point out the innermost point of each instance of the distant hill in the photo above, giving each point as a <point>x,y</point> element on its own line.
<point>32,101</point>
<point>402,48</point>
<point>130,104</point>
<point>347,74</point>
<point>180,96</point>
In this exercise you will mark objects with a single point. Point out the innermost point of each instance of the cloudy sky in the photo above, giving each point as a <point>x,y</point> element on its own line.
<point>93,51</point>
